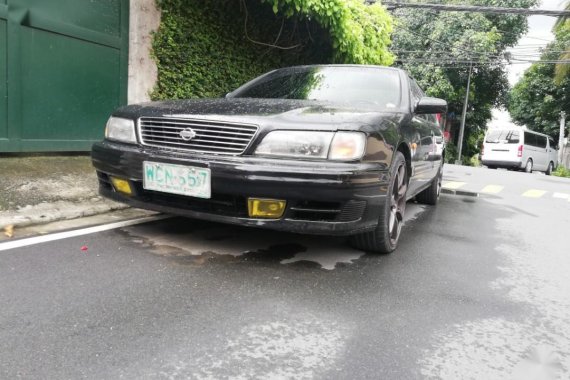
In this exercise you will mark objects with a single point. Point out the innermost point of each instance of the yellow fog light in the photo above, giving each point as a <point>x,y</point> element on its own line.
<point>121,185</point>
<point>266,208</point>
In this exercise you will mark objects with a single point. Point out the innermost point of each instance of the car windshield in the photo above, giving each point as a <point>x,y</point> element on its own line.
<point>353,85</point>
<point>503,136</point>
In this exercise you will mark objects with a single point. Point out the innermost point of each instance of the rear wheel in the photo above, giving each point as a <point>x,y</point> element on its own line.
<point>550,168</point>
<point>384,239</point>
<point>528,166</point>
<point>430,195</point>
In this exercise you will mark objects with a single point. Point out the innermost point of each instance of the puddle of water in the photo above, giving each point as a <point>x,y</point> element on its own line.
<point>413,211</point>
<point>196,243</point>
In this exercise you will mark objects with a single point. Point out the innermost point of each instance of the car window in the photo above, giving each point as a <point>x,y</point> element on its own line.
<point>553,144</point>
<point>378,87</point>
<point>530,139</point>
<point>417,92</point>
<point>503,136</point>
<point>540,141</point>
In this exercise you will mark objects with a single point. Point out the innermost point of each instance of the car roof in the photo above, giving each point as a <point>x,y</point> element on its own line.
<point>343,65</point>
<point>516,128</point>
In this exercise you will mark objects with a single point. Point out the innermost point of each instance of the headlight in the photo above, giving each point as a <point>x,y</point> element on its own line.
<point>342,146</point>
<point>347,146</point>
<point>296,144</point>
<point>120,129</point>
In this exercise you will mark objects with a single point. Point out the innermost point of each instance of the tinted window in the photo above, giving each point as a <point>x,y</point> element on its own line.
<point>379,87</point>
<point>503,137</point>
<point>530,139</point>
<point>553,144</point>
<point>417,93</point>
<point>540,141</point>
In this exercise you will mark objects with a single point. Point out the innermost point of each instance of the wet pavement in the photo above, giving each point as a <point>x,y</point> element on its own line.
<point>478,288</point>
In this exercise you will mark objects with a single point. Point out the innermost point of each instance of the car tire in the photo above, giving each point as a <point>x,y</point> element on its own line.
<point>430,195</point>
<point>550,168</point>
<point>528,166</point>
<point>384,238</point>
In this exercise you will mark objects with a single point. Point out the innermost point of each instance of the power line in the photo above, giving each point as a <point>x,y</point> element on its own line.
<point>473,8</point>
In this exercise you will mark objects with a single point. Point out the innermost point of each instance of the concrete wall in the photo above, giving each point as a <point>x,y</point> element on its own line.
<point>144,19</point>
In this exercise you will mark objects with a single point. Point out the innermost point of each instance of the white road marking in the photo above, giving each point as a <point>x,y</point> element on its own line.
<point>453,185</point>
<point>84,231</point>
<point>492,189</point>
<point>533,193</point>
<point>561,196</point>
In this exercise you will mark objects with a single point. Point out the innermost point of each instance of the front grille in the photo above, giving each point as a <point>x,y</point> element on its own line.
<point>207,136</point>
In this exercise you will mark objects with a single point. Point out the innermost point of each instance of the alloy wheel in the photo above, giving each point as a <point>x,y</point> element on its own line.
<point>397,204</point>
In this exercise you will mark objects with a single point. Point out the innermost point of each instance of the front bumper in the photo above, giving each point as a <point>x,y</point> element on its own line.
<point>322,197</point>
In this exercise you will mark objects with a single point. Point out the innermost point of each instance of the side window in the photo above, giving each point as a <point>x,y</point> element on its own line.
<point>417,93</point>
<point>541,141</point>
<point>552,143</point>
<point>529,139</point>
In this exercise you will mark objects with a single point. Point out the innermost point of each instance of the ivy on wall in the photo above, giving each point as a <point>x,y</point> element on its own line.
<point>360,33</point>
<point>206,48</point>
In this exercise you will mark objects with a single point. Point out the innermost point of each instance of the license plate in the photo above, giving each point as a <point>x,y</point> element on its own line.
<point>177,179</point>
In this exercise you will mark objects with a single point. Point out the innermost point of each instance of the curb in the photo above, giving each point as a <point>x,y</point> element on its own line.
<point>52,212</point>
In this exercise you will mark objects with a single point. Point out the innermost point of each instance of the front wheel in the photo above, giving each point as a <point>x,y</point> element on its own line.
<point>384,239</point>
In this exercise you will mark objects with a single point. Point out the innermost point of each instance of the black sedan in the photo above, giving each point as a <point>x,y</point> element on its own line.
<point>329,149</point>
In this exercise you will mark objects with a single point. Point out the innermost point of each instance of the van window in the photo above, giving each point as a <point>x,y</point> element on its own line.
<point>530,139</point>
<point>553,144</point>
<point>540,141</point>
<point>503,136</point>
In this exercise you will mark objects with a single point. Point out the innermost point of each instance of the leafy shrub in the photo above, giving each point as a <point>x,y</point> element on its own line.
<point>561,171</point>
<point>450,153</point>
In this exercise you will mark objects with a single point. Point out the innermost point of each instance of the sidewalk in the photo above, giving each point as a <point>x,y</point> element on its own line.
<point>42,189</point>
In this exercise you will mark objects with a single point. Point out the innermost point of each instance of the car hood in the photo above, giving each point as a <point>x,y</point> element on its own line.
<point>280,113</point>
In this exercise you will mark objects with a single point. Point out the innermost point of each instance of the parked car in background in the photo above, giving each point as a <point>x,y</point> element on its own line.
<point>330,149</point>
<point>520,149</point>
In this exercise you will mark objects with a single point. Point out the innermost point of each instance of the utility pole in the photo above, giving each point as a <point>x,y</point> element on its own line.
<point>561,138</point>
<point>463,115</point>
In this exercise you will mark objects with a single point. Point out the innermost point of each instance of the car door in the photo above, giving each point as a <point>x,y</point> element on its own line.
<point>542,153</point>
<point>552,151</point>
<point>421,144</point>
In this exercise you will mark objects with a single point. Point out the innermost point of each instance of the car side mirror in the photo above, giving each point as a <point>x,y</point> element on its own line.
<point>428,105</point>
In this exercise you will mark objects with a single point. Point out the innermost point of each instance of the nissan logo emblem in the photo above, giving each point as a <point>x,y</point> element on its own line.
<point>187,134</point>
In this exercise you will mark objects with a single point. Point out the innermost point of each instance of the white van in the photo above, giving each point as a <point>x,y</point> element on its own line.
<point>517,148</point>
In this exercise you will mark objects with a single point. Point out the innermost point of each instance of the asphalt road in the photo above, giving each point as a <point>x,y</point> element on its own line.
<point>479,288</point>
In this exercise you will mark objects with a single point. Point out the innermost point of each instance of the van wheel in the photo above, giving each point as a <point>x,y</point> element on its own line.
<point>384,239</point>
<point>430,195</point>
<point>550,168</point>
<point>528,166</point>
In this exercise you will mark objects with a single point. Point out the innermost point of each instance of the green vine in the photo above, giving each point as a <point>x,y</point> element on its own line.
<point>360,33</point>
<point>206,48</point>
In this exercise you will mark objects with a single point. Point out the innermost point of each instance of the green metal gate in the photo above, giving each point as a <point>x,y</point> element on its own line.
<point>63,69</point>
